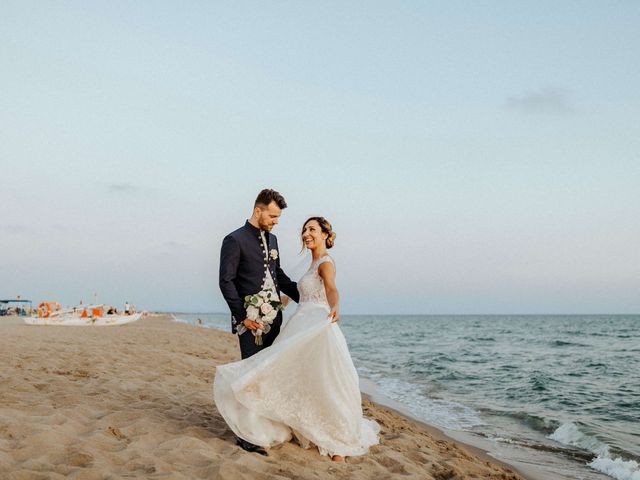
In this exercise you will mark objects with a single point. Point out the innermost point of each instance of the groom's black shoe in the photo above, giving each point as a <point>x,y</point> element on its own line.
<point>250,447</point>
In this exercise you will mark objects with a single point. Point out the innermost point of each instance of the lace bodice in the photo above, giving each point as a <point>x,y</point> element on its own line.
<point>311,286</point>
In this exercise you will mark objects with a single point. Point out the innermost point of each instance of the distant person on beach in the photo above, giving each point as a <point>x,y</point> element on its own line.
<point>305,385</point>
<point>250,264</point>
<point>127,308</point>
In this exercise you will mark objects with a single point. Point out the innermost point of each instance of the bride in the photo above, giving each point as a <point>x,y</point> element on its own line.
<point>305,384</point>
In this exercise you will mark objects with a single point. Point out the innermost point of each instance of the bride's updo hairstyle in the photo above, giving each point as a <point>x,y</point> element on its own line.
<point>325,226</point>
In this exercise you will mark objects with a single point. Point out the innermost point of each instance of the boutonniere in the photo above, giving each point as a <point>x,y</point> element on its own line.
<point>273,254</point>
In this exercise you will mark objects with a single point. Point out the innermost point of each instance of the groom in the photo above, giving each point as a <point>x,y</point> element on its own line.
<point>250,263</point>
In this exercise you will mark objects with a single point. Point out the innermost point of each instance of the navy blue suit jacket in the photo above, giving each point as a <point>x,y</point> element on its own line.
<point>243,266</point>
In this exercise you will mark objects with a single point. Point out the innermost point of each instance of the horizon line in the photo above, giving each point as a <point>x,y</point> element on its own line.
<point>423,314</point>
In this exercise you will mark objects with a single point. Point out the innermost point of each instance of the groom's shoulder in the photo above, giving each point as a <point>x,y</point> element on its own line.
<point>236,232</point>
<point>239,233</point>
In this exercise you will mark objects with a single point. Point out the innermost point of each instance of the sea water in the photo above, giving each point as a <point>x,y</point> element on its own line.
<point>561,392</point>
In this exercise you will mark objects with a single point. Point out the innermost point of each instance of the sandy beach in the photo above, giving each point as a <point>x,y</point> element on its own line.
<point>136,401</point>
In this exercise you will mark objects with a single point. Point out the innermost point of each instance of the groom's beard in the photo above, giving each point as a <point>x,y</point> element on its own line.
<point>267,227</point>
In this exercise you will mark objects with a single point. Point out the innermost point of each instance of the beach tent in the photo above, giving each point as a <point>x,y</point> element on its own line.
<point>6,304</point>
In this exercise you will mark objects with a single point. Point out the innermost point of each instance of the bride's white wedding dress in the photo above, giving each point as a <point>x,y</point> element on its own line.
<point>305,384</point>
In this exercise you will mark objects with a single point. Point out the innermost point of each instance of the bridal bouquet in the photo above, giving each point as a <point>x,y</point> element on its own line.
<point>262,307</point>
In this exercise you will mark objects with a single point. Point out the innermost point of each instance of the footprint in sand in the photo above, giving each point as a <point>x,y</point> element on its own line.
<point>117,433</point>
<point>445,472</point>
<point>392,465</point>
<point>80,460</point>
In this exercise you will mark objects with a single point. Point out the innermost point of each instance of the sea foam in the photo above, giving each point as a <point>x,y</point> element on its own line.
<point>618,468</point>
<point>439,412</point>
<point>570,434</point>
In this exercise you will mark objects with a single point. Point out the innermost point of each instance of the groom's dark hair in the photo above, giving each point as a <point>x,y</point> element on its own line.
<point>266,196</point>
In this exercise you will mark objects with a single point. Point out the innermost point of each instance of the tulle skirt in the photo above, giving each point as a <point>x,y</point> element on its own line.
<point>304,385</point>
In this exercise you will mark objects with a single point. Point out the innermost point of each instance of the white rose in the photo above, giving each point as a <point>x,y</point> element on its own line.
<point>252,312</point>
<point>274,254</point>
<point>271,315</point>
<point>259,302</point>
<point>266,308</point>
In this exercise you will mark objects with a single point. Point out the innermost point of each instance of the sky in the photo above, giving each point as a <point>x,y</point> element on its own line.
<point>474,157</point>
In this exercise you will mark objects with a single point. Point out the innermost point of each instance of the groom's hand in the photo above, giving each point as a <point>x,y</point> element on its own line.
<point>250,324</point>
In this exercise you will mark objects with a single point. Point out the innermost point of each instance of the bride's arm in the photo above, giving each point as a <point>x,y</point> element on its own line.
<point>328,273</point>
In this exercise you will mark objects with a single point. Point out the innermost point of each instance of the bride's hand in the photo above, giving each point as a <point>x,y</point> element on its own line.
<point>334,315</point>
<point>284,300</point>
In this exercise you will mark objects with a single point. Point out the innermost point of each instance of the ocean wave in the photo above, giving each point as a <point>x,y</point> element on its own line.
<point>577,454</point>
<point>570,434</point>
<point>475,338</point>
<point>564,343</point>
<point>535,422</point>
<point>435,411</point>
<point>539,381</point>
<point>618,468</point>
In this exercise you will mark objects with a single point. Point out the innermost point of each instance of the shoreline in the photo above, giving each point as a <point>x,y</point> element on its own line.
<point>372,394</point>
<point>535,461</point>
<point>478,445</point>
<point>136,400</point>
<point>369,392</point>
